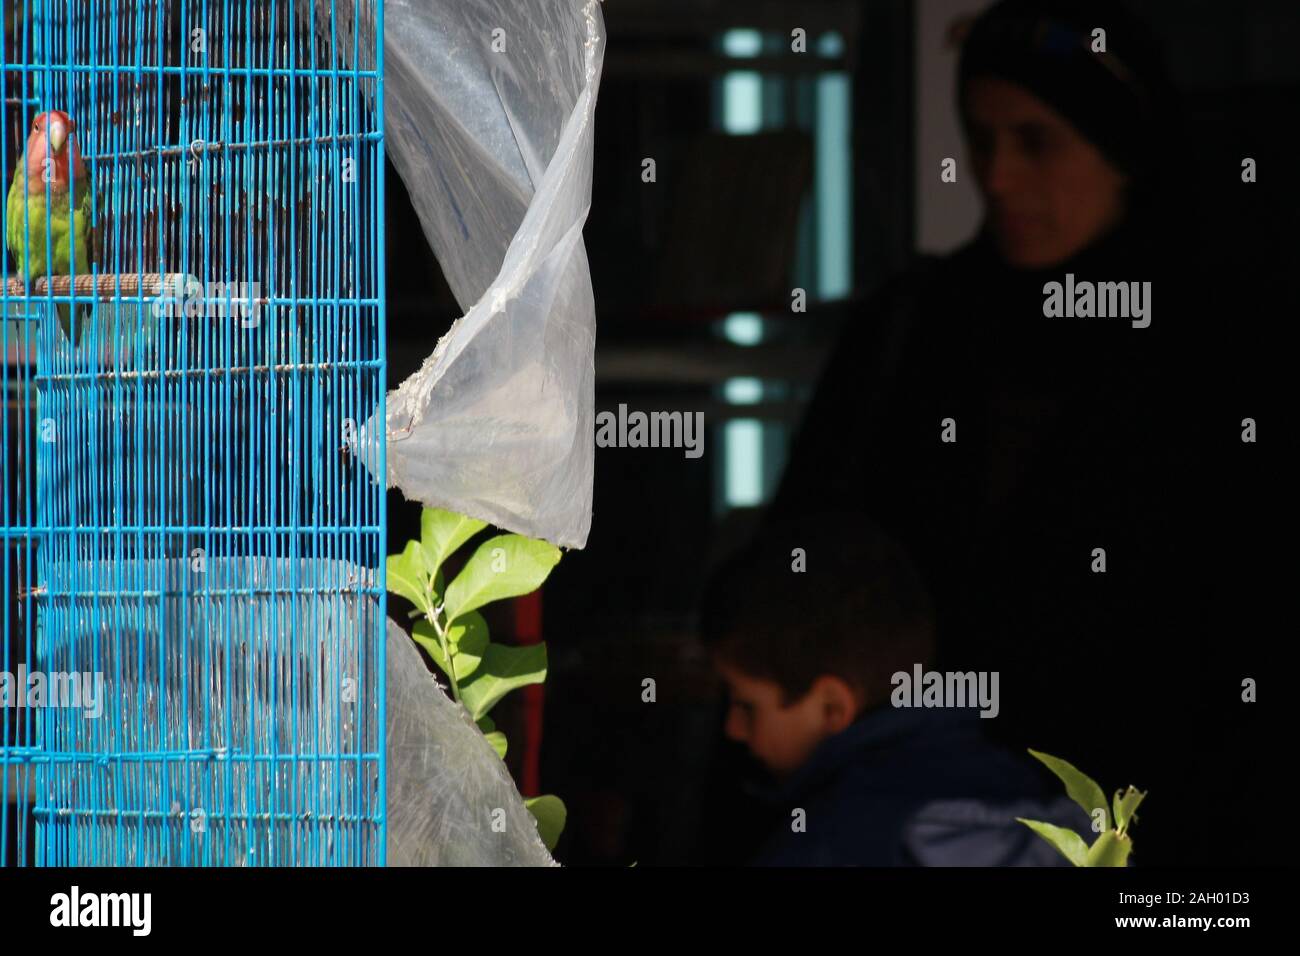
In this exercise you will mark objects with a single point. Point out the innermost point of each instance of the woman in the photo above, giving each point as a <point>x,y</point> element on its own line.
<point>1065,484</point>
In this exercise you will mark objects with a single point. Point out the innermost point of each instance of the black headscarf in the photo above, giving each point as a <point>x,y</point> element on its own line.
<point>1119,99</point>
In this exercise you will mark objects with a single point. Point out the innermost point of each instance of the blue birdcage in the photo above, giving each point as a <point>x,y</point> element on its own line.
<point>193,551</point>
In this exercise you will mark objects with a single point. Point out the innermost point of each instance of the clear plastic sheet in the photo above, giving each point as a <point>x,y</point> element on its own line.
<point>490,122</point>
<point>262,670</point>
<point>244,659</point>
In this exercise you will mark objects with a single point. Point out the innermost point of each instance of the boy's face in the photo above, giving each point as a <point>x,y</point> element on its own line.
<point>783,736</point>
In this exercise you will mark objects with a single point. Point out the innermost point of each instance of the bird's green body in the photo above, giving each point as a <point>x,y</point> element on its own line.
<point>69,221</point>
<point>26,235</point>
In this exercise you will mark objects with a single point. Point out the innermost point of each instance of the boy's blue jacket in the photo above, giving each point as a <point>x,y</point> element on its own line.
<point>917,787</point>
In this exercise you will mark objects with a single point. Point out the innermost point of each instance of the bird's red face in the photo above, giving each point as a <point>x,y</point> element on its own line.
<point>53,153</point>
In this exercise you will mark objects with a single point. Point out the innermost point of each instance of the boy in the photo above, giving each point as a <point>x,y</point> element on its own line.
<point>809,627</point>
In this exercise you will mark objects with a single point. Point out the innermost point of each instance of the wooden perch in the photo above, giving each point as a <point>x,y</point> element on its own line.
<point>103,286</point>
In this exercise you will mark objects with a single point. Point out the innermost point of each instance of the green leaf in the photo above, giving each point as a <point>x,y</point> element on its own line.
<point>1111,849</point>
<point>505,566</point>
<point>1126,804</point>
<point>409,576</point>
<point>426,636</point>
<point>469,639</point>
<point>550,814</point>
<point>486,724</point>
<point>442,532</point>
<point>1081,788</point>
<point>468,629</point>
<point>467,646</point>
<point>503,669</point>
<point>1068,843</point>
<point>498,741</point>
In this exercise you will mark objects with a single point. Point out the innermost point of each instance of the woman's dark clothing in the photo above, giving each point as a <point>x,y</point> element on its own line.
<point>1074,434</point>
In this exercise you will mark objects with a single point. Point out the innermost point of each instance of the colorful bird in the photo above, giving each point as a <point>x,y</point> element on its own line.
<point>50,185</point>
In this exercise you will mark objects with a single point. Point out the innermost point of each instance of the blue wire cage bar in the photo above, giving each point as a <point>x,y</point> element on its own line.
<point>193,562</point>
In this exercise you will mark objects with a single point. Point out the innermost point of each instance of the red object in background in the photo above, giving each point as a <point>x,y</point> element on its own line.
<point>528,630</point>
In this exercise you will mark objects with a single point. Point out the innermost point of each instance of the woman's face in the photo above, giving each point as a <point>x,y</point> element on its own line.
<point>1048,192</point>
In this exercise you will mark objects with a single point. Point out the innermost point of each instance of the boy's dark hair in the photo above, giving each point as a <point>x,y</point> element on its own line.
<point>858,610</point>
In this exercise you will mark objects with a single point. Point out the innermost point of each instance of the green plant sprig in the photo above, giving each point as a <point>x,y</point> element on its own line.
<point>455,635</point>
<point>1113,846</point>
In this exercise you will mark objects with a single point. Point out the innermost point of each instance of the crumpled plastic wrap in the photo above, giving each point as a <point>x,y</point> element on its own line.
<point>490,122</point>
<point>230,661</point>
<point>451,801</point>
<point>259,669</point>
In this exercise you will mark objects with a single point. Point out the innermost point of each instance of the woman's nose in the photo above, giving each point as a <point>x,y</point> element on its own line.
<point>735,726</point>
<point>999,171</point>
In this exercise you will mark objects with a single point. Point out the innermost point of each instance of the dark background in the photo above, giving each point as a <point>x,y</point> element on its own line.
<point>733,223</point>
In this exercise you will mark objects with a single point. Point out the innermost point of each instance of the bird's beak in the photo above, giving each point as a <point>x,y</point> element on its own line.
<point>58,135</point>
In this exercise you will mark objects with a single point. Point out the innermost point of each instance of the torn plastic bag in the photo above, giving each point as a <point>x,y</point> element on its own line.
<point>489,121</point>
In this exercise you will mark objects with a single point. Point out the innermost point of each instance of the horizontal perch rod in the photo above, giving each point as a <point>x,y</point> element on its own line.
<point>103,286</point>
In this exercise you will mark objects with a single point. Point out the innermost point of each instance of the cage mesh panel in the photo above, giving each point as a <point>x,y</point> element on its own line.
<point>182,514</point>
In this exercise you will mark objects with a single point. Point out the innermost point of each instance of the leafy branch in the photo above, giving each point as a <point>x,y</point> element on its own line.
<point>455,635</point>
<point>1113,846</point>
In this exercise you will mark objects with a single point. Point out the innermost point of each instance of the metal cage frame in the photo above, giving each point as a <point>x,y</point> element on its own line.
<point>185,516</point>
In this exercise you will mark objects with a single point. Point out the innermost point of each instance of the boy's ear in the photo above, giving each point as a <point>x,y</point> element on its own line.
<point>839,703</point>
